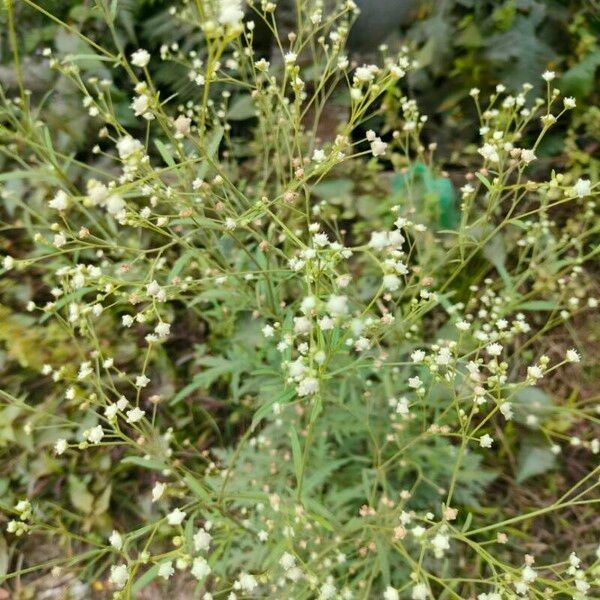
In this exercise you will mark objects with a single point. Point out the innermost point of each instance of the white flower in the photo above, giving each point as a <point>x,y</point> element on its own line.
<point>326,323</point>
<point>417,356</point>
<point>548,75</point>
<point>163,329</point>
<point>60,446</point>
<point>287,561</point>
<point>489,152</point>
<point>308,304</point>
<point>140,105</point>
<point>115,204</point>
<point>402,408</point>
<point>463,326</point>
<point>391,282</point>
<point>419,592</point>
<point>97,192</point>
<point>573,356</point>
<point>320,240</point>
<point>141,381</point>
<point>115,539</point>
<point>582,188</point>
<point>140,58</point>
<point>60,201</point>
<point>230,12</point>
<point>414,382</point>
<point>362,344</point>
<point>379,240</point>
<point>127,146</point>
<point>153,289</point>
<point>158,490</point>
<point>444,357</point>
<point>440,544</point>
<point>318,156</point>
<point>176,517</point>
<point>135,414</point>
<point>534,372</point>
<point>200,568</point>
<point>301,325</point>
<point>391,594</point>
<point>166,569</point>
<point>85,369</point>
<point>486,441</point>
<point>119,576</point>
<point>182,124</point>
<point>528,574</point>
<point>494,349</point>
<point>327,591</point>
<point>290,58</point>
<point>506,410</point>
<point>337,305</point>
<point>569,102</point>
<point>95,434</point>
<point>247,582</point>
<point>60,239</point>
<point>8,263</point>
<point>378,147</point>
<point>268,331</point>
<point>308,386</point>
<point>202,540</point>
<point>366,73</point>
<point>528,156</point>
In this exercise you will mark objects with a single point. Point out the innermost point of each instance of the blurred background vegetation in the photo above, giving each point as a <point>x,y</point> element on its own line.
<point>459,44</point>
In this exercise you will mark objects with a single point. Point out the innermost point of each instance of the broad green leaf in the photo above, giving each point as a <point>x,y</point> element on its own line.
<point>534,401</point>
<point>79,495</point>
<point>242,108</point>
<point>534,461</point>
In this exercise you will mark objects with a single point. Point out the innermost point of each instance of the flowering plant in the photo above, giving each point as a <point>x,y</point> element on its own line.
<point>311,383</point>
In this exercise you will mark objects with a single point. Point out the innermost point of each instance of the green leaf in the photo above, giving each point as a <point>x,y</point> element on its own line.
<point>196,487</point>
<point>80,498</point>
<point>296,454</point>
<point>267,407</point>
<point>539,305</point>
<point>521,55</point>
<point>3,557</point>
<point>242,108</point>
<point>384,563</point>
<point>150,575</point>
<point>534,461</point>
<point>165,152</point>
<point>534,401</point>
<point>218,366</point>
<point>333,188</point>
<point>483,180</point>
<point>212,146</point>
<point>103,501</point>
<point>180,264</point>
<point>580,79</point>
<point>146,463</point>
<point>495,252</point>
